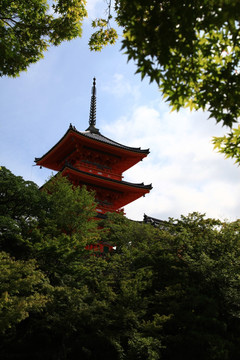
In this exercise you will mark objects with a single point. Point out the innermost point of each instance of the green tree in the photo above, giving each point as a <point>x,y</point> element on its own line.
<point>190,48</point>
<point>163,293</point>
<point>43,291</point>
<point>229,144</point>
<point>28,28</point>
<point>53,224</point>
<point>201,296</point>
<point>21,204</point>
<point>177,289</point>
<point>23,290</point>
<point>59,239</point>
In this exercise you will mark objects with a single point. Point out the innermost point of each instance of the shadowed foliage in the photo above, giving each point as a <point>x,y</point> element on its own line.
<point>169,293</point>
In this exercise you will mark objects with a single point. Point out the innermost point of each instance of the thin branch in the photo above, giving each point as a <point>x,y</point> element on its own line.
<point>5,21</point>
<point>109,8</point>
<point>10,19</point>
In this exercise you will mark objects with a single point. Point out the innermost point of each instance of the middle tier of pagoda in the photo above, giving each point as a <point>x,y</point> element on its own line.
<point>91,159</point>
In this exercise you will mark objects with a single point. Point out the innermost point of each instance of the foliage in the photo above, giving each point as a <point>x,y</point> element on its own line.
<point>20,204</point>
<point>190,48</point>
<point>22,290</point>
<point>169,293</point>
<point>19,198</point>
<point>47,232</point>
<point>177,288</point>
<point>71,207</point>
<point>104,34</point>
<point>229,144</point>
<point>27,29</point>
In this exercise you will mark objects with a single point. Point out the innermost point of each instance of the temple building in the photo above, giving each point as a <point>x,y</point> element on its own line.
<point>91,159</point>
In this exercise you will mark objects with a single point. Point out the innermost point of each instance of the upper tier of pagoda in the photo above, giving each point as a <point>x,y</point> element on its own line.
<point>90,149</point>
<point>87,157</point>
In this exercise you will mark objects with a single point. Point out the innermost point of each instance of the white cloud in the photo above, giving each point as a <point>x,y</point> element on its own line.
<point>187,175</point>
<point>119,86</point>
<point>96,8</point>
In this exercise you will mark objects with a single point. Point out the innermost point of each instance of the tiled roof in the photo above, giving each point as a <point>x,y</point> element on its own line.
<point>139,185</point>
<point>162,224</point>
<point>96,135</point>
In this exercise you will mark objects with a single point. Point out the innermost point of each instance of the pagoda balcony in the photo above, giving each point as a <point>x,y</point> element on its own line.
<point>94,169</point>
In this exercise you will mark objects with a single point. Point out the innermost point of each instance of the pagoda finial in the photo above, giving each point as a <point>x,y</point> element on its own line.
<point>92,115</point>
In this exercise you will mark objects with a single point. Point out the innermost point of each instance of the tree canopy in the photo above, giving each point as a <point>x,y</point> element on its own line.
<point>28,28</point>
<point>191,49</point>
<point>163,293</point>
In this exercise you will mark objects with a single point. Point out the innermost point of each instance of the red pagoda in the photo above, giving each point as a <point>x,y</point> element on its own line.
<point>91,159</point>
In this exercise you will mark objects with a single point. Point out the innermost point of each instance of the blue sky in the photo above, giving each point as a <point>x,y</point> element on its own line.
<point>37,108</point>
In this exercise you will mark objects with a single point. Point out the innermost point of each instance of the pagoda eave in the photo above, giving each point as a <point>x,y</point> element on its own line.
<point>121,192</point>
<point>106,182</point>
<point>73,138</point>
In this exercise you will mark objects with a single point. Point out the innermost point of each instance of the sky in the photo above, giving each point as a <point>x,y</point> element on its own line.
<point>185,172</point>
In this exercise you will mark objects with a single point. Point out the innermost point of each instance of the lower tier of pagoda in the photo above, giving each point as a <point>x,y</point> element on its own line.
<point>111,195</point>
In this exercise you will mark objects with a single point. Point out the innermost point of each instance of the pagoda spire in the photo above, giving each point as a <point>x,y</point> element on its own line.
<point>92,115</point>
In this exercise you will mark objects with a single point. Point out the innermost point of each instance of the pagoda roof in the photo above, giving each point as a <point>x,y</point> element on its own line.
<point>107,180</point>
<point>96,137</point>
<point>99,137</point>
<point>91,138</point>
<point>129,191</point>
